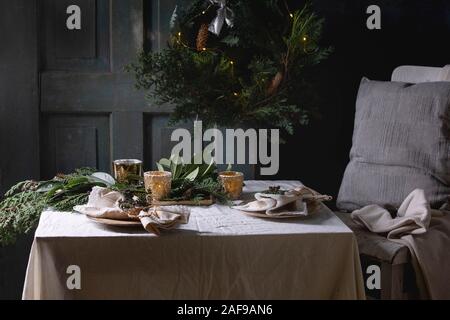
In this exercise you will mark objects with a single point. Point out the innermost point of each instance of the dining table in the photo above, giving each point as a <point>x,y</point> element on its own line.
<point>221,253</point>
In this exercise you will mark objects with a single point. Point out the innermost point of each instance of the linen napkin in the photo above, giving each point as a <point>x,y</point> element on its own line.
<point>426,233</point>
<point>292,203</point>
<point>165,218</point>
<point>104,203</point>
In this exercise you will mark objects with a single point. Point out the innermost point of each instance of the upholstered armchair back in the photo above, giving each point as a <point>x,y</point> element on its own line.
<point>416,74</point>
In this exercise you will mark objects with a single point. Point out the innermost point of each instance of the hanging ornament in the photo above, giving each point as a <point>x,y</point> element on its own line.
<point>275,83</point>
<point>224,15</point>
<point>202,37</point>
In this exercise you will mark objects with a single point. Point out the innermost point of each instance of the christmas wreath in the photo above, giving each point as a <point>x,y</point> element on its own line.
<point>231,62</point>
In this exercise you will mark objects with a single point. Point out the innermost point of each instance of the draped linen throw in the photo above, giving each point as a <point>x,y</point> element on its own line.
<point>104,203</point>
<point>426,232</point>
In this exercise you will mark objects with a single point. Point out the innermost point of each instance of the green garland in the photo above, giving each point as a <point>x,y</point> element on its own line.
<point>256,72</point>
<point>23,203</point>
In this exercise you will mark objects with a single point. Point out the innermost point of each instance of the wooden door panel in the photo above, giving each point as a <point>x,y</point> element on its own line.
<point>87,49</point>
<point>74,141</point>
<point>90,110</point>
<point>157,134</point>
<point>75,44</point>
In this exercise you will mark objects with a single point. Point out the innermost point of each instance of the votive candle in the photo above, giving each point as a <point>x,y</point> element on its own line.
<point>158,184</point>
<point>126,170</point>
<point>232,182</point>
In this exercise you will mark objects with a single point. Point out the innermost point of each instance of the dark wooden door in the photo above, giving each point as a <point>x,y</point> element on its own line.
<point>90,111</point>
<point>75,104</point>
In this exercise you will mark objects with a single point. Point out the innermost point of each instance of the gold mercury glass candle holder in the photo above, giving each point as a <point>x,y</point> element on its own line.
<point>232,183</point>
<point>158,184</point>
<point>127,170</point>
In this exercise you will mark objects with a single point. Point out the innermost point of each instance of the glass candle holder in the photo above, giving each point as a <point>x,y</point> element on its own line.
<point>127,170</point>
<point>232,183</point>
<point>158,184</point>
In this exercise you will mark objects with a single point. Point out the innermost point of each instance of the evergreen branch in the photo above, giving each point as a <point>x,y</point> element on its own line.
<point>234,73</point>
<point>24,202</point>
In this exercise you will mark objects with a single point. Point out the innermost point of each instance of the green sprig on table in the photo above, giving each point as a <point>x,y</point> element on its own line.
<point>24,202</point>
<point>193,181</point>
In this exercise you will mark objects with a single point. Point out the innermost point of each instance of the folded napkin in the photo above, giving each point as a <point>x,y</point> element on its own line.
<point>292,203</point>
<point>166,218</point>
<point>426,233</point>
<point>104,203</point>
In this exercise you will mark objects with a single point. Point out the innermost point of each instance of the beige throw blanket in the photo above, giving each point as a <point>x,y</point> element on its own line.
<point>104,203</point>
<point>424,231</point>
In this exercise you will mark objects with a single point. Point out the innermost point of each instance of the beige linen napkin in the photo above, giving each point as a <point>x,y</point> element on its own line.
<point>166,218</point>
<point>104,203</point>
<point>424,231</point>
<point>292,203</point>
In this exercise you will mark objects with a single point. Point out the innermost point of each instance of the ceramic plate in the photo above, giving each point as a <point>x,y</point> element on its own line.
<point>116,223</point>
<point>312,208</point>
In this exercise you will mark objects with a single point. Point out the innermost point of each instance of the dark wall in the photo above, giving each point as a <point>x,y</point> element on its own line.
<point>414,32</point>
<point>19,135</point>
<point>19,143</point>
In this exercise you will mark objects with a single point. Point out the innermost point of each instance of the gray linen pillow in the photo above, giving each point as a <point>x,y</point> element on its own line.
<point>401,141</point>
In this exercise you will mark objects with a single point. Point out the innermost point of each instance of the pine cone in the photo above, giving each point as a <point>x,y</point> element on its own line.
<point>202,37</point>
<point>275,83</point>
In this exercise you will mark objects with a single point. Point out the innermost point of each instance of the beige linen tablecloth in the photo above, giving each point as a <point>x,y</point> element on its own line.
<point>220,254</point>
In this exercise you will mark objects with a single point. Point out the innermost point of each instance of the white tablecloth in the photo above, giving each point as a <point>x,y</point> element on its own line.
<point>220,254</point>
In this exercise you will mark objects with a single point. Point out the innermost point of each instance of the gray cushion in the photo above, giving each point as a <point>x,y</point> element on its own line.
<point>400,143</point>
<point>374,245</point>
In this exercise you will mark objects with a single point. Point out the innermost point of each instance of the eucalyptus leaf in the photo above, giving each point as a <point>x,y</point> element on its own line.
<point>193,175</point>
<point>174,170</point>
<point>49,185</point>
<point>160,167</point>
<point>176,159</point>
<point>210,168</point>
<point>165,162</point>
<point>104,177</point>
<point>188,168</point>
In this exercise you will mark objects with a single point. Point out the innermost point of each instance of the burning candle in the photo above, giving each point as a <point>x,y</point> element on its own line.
<point>232,183</point>
<point>158,184</point>
<point>127,170</point>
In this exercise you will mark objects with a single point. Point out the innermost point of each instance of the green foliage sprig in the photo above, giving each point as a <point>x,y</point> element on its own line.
<point>23,203</point>
<point>193,181</point>
<point>256,72</point>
